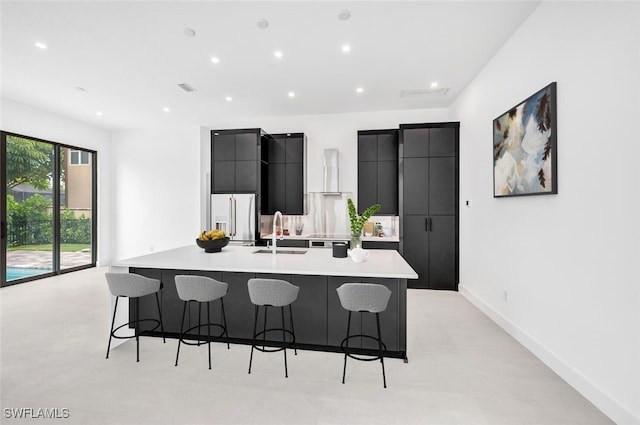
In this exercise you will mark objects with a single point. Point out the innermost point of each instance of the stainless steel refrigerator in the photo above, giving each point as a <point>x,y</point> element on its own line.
<point>235,213</point>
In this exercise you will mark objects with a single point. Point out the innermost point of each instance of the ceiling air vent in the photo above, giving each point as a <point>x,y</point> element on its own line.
<point>413,93</point>
<point>186,87</point>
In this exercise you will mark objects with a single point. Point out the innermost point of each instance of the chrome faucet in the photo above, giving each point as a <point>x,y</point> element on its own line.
<point>273,233</point>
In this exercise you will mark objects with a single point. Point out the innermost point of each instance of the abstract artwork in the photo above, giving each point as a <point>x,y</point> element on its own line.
<point>524,147</point>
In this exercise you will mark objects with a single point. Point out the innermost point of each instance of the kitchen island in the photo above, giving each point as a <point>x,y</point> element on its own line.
<point>320,321</point>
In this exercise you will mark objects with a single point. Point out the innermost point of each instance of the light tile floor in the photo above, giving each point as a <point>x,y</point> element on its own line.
<point>462,369</point>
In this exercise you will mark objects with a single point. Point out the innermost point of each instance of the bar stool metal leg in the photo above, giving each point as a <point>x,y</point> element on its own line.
<point>284,344</point>
<point>293,332</point>
<point>113,321</point>
<point>346,348</point>
<point>160,314</point>
<point>209,332</point>
<point>384,378</point>
<point>253,341</point>
<point>224,320</point>
<point>184,311</point>
<point>264,327</point>
<point>137,316</point>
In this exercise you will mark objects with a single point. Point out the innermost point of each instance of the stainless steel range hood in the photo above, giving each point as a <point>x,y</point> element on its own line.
<point>330,168</point>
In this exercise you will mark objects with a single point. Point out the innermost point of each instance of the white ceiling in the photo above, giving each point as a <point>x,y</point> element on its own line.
<point>130,56</point>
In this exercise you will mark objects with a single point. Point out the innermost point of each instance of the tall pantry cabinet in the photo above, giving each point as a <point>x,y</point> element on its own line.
<point>429,203</point>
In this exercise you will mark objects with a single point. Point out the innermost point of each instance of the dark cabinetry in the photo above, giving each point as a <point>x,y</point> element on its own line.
<point>378,170</point>
<point>236,161</point>
<point>284,183</point>
<point>429,207</point>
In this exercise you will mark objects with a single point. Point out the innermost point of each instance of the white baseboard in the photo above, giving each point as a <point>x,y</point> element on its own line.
<point>609,406</point>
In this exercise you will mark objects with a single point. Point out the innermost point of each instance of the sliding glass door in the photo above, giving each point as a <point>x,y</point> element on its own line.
<point>48,220</point>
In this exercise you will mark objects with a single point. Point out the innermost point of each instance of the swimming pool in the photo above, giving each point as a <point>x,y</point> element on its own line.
<point>14,273</point>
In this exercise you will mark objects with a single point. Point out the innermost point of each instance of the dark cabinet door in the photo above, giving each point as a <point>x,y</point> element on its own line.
<point>415,196</point>
<point>239,312</point>
<point>441,188</point>
<point>388,319</point>
<point>367,147</point>
<point>367,185</point>
<point>442,252</point>
<point>246,176</point>
<point>387,187</point>
<point>415,142</point>
<point>416,247</point>
<point>224,147</point>
<point>387,147</point>
<point>234,161</point>
<point>286,168</point>
<point>294,149</point>
<point>223,176</point>
<point>276,148</point>
<point>310,322</point>
<point>442,141</point>
<point>378,170</point>
<point>247,146</point>
<point>276,195</point>
<point>294,188</point>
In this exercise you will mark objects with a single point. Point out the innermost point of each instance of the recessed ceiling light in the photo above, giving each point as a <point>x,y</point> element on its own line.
<point>346,48</point>
<point>80,89</point>
<point>292,94</point>
<point>434,84</point>
<point>344,15</point>
<point>215,59</point>
<point>166,109</point>
<point>359,90</point>
<point>228,98</point>
<point>40,45</point>
<point>277,54</point>
<point>98,113</point>
<point>189,32</point>
<point>262,23</point>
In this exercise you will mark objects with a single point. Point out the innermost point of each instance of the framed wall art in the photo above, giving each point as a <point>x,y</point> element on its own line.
<point>524,147</point>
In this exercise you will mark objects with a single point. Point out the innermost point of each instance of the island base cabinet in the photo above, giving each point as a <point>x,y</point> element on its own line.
<point>319,320</point>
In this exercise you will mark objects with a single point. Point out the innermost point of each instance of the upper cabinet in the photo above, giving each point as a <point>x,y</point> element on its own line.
<point>236,161</point>
<point>284,181</point>
<point>378,170</point>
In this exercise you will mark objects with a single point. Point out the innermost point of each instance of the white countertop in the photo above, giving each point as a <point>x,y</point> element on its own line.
<point>381,263</point>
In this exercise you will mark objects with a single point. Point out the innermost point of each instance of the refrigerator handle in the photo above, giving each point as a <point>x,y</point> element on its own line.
<point>232,225</point>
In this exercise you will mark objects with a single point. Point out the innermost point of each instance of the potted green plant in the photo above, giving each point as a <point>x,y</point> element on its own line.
<point>357,221</point>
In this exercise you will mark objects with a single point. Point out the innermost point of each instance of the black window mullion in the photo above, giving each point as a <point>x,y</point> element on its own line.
<point>56,208</point>
<point>94,208</point>
<point>3,210</point>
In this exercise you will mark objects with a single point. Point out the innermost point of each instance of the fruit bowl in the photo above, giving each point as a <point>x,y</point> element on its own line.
<point>215,245</point>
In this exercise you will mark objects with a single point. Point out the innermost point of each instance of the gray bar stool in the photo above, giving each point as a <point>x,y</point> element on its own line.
<point>201,289</point>
<point>272,293</point>
<point>364,298</point>
<point>134,286</point>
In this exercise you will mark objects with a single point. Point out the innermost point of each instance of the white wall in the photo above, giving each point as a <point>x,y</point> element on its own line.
<point>23,119</point>
<point>156,189</point>
<point>569,261</point>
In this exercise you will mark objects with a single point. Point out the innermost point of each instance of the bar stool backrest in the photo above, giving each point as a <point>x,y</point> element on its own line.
<point>369,297</point>
<point>200,288</point>
<point>274,292</point>
<point>131,285</point>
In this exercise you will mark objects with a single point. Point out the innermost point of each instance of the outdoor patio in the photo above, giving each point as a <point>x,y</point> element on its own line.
<point>43,259</point>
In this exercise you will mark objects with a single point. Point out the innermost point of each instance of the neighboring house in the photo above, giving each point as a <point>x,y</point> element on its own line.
<point>78,182</point>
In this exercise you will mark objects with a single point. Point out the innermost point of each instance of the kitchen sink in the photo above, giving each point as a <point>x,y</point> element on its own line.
<point>280,251</point>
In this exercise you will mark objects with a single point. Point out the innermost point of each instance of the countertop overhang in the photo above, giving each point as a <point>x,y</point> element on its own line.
<point>381,263</point>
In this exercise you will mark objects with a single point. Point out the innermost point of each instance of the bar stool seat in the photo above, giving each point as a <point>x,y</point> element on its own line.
<point>364,298</point>
<point>272,293</point>
<point>201,289</point>
<point>134,286</point>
